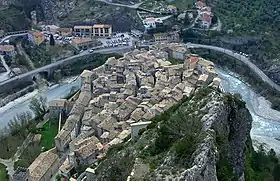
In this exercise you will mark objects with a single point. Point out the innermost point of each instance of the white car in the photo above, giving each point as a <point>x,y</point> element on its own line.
<point>81,51</point>
<point>90,51</point>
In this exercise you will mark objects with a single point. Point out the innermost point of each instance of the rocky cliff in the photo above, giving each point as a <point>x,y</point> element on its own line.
<point>47,10</point>
<point>203,138</point>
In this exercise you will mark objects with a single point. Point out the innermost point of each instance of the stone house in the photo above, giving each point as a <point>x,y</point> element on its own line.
<point>21,174</point>
<point>136,127</point>
<point>58,106</point>
<point>36,37</point>
<point>7,50</point>
<point>44,167</point>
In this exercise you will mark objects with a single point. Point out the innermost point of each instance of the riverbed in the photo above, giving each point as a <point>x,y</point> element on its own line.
<point>22,104</point>
<point>266,121</point>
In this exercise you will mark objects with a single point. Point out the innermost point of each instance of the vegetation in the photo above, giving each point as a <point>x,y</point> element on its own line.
<point>3,173</point>
<point>174,133</point>
<point>262,165</point>
<point>13,19</point>
<point>52,41</point>
<point>48,132</point>
<point>87,62</point>
<point>17,130</point>
<point>45,53</point>
<point>30,153</point>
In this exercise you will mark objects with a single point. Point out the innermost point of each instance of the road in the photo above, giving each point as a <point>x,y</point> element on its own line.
<point>242,58</point>
<point>135,6</point>
<point>6,75</point>
<point>41,69</point>
<point>10,36</point>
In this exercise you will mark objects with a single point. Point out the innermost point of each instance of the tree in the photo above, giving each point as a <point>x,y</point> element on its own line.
<point>38,106</point>
<point>52,42</point>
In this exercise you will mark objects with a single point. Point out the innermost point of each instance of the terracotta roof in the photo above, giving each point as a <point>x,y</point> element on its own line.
<point>193,59</point>
<point>101,26</point>
<point>82,27</point>
<point>206,17</point>
<point>81,40</point>
<point>36,33</point>
<point>64,29</point>
<point>200,4</point>
<point>7,48</point>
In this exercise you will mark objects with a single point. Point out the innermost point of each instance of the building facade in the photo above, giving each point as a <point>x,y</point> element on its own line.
<point>7,50</point>
<point>65,31</point>
<point>83,43</point>
<point>98,30</point>
<point>36,37</point>
<point>170,37</point>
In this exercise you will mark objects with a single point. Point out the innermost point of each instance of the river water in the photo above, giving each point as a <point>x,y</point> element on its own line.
<point>266,121</point>
<point>22,104</point>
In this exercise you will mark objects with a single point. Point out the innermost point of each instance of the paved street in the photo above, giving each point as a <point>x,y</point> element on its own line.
<point>6,75</point>
<point>134,6</point>
<point>242,58</point>
<point>10,36</point>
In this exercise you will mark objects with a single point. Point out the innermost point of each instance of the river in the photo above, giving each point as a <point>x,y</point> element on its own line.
<point>22,104</point>
<point>266,121</point>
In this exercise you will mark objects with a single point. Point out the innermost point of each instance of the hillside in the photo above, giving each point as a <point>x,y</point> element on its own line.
<point>203,138</point>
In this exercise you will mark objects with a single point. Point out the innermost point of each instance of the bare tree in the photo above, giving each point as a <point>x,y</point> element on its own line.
<point>38,106</point>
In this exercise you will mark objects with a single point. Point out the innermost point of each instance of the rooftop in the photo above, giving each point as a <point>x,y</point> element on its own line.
<point>205,63</point>
<point>86,73</point>
<point>64,29</point>
<point>57,103</point>
<point>193,59</point>
<point>81,40</point>
<point>102,26</point>
<point>36,33</point>
<point>42,164</point>
<point>140,123</point>
<point>7,48</point>
<point>20,173</point>
<point>82,27</point>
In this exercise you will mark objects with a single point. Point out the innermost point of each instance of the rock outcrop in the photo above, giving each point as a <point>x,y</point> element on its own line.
<point>196,140</point>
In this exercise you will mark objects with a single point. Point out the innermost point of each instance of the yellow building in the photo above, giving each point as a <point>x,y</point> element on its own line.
<point>36,37</point>
<point>64,31</point>
<point>102,30</point>
<point>83,43</point>
<point>91,31</point>
<point>83,31</point>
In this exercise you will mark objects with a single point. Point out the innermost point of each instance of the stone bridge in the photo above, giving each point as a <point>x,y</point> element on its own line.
<point>29,77</point>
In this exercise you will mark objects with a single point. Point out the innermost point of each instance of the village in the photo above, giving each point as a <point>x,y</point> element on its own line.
<point>115,102</point>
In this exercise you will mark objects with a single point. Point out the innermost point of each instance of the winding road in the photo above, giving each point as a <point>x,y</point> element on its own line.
<point>242,58</point>
<point>135,6</point>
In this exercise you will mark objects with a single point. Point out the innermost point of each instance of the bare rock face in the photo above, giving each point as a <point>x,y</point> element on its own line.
<point>220,142</point>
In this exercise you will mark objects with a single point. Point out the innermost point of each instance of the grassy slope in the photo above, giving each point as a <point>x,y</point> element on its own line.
<point>13,19</point>
<point>3,173</point>
<point>49,131</point>
<point>257,18</point>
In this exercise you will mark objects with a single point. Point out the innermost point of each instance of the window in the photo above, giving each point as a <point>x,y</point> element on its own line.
<point>96,30</point>
<point>101,30</point>
<point>106,30</point>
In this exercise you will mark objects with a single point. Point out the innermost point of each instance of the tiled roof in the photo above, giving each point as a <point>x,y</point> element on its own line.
<point>7,48</point>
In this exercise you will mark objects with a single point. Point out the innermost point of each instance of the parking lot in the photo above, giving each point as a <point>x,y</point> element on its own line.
<point>119,39</point>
